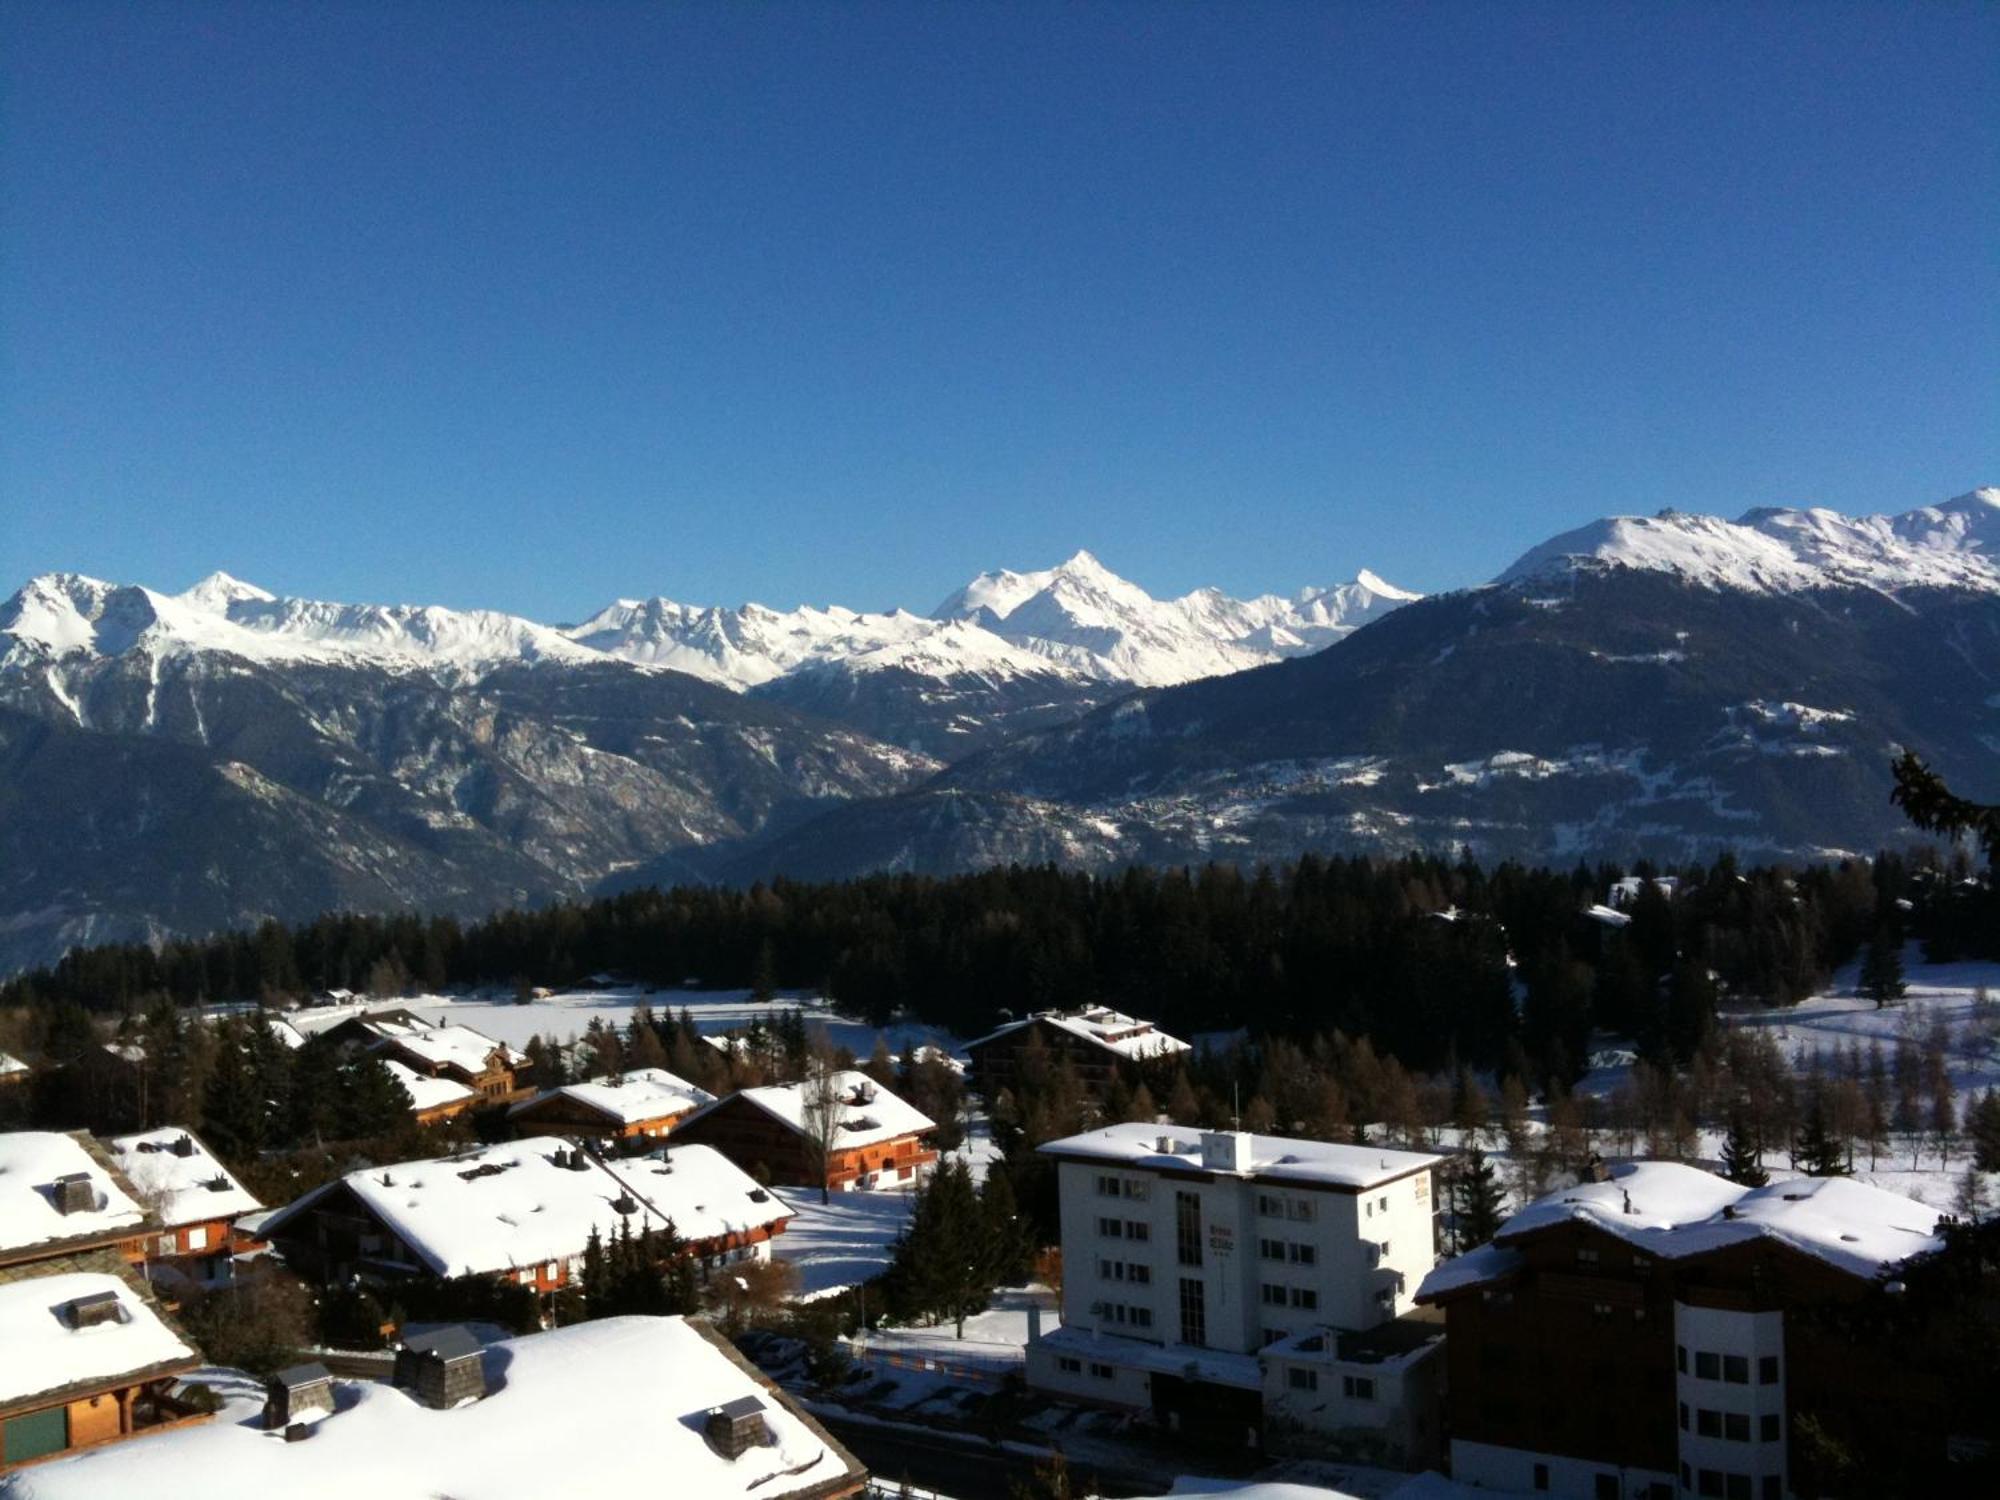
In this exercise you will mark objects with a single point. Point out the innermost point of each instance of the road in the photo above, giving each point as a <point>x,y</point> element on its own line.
<point>965,1471</point>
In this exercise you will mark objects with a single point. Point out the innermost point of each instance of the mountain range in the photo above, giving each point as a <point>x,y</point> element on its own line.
<point>1663,685</point>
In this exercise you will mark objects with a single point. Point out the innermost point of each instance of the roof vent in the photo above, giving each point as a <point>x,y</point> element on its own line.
<point>295,1391</point>
<point>737,1427</point>
<point>624,1203</point>
<point>98,1307</point>
<point>1165,1145</point>
<point>183,1146</point>
<point>219,1183</point>
<point>758,1195</point>
<point>74,1194</point>
<point>1852,1239</point>
<point>1797,1197</point>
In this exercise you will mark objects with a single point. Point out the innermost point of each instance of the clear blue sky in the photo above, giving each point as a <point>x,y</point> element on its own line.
<point>532,305</point>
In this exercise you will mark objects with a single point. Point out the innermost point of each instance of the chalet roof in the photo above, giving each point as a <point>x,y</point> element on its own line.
<point>1272,1158</point>
<point>498,1208</point>
<point>1128,1036</point>
<point>425,1091</point>
<point>452,1046</point>
<point>1676,1212</point>
<point>604,1408</point>
<point>309,1373</point>
<point>185,1185</point>
<point>46,1353</point>
<point>451,1342</point>
<point>642,1094</point>
<point>30,1163</point>
<point>868,1113</point>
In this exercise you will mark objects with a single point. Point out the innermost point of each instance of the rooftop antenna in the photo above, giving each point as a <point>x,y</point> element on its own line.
<point>1236,1106</point>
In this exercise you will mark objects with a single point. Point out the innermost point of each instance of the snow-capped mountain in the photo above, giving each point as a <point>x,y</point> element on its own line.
<point>1955,545</point>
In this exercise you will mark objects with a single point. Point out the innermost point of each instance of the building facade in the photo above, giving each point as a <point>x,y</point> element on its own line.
<point>876,1141</point>
<point>1097,1043</point>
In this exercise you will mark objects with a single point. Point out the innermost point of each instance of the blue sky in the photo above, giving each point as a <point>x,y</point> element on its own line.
<point>529,306</point>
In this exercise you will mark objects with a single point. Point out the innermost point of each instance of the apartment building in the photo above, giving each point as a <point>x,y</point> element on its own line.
<point>1186,1257</point>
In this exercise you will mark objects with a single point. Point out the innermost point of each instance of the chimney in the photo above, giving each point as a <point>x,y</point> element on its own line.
<point>1165,1145</point>
<point>88,1312</point>
<point>736,1428</point>
<point>74,1194</point>
<point>184,1146</point>
<point>443,1368</point>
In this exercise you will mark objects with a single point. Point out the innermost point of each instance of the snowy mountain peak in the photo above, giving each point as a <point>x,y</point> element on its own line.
<point>218,591</point>
<point>1953,545</point>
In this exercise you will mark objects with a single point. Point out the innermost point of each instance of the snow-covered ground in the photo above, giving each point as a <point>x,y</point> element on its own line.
<point>997,1337</point>
<point>841,1243</point>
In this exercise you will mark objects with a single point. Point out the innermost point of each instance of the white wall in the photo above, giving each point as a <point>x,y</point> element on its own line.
<point>1752,1337</point>
<point>1490,1466</point>
<point>1127,1387</point>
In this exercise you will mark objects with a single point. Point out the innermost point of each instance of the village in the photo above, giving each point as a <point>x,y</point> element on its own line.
<point>795,1272</point>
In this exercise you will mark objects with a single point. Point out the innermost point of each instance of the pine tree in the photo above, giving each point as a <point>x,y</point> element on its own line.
<point>1983,1125</point>
<point>1882,970</point>
<point>1970,1201</point>
<point>1818,1153</point>
<point>1479,1201</point>
<point>1741,1161</point>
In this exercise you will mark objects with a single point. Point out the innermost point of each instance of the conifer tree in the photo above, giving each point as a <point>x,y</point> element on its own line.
<point>1818,1153</point>
<point>1479,1201</point>
<point>1741,1161</point>
<point>1882,970</point>
<point>1983,1125</point>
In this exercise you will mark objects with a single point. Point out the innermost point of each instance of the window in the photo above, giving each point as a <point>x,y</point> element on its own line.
<point>1069,1366</point>
<point>1767,1370</point>
<point>1736,1427</point>
<point>1138,1189</point>
<point>1271,1249</point>
<point>1300,1210</point>
<point>1684,1416</point>
<point>1708,1423</point>
<point>1357,1387</point>
<point>1142,1317</point>
<point>1136,1229</point>
<point>1708,1482</point>
<point>1110,1270</point>
<point>1768,1427</point>
<point>1270,1206</point>
<point>1271,1295</point>
<point>1739,1486</point>
<point>1681,1358</point>
<point>1587,1255</point>
<point>1736,1369</point>
<point>1141,1274</point>
<point>1302,1380</point>
<point>1102,1372</point>
<point>1107,1187</point>
<point>1368,1210</point>
<point>1605,1487</point>
<point>1305,1297</point>
<point>1641,1262</point>
<point>1384,1203</point>
<point>1385,1297</point>
<point>1541,1476</point>
<point>1302,1255</point>
<point>197,1238</point>
<point>1707,1366</point>
<point>1187,1228</point>
<point>1687,1478</point>
<point>1111,1229</point>
<point>1194,1312</point>
<point>1774,1487</point>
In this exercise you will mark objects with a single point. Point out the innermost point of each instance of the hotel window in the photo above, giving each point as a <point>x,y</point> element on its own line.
<point>1681,1358</point>
<point>1769,1427</point>
<point>1107,1187</point>
<point>1739,1487</point>
<point>1301,1211</point>
<point>1142,1317</point>
<point>1736,1369</point>
<point>1708,1482</point>
<point>1304,1255</point>
<point>1605,1487</point>
<point>1684,1416</point>
<point>1767,1370</point>
<point>1111,1270</point>
<point>1270,1206</point>
<point>1707,1366</point>
<point>1069,1366</point>
<point>1141,1274</point>
<point>1736,1427</point>
<point>1136,1229</point>
<point>1357,1387</point>
<point>1194,1312</point>
<point>1774,1487</point>
<point>1271,1295</point>
<point>1305,1297</point>
<point>1187,1228</point>
<point>1541,1476</point>
<point>1271,1249</point>
<point>1102,1372</point>
<point>1302,1380</point>
<point>1708,1423</point>
<point>1587,1255</point>
<point>1111,1229</point>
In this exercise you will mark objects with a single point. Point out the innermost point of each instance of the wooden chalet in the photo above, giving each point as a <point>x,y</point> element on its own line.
<point>642,1104</point>
<point>878,1139</point>
<point>1097,1043</point>
<point>87,1357</point>
<point>62,1193</point>
<point>523,1211</point>
<point>196,1199</point>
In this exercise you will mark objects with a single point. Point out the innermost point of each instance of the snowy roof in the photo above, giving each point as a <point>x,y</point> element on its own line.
<point>1276,1158</point>
<point>642,1094</point>
<point>1221,1366</point>
<point>1676,1211</point>
<point>1113,1030</point>
<point>45,1353</point>
<point>443,1046</point>
<point>632,1427</point>
<point>496,1208</point>
<point>425,1091</point>
<point>869,1113</point>
<point>189,1189</point>
<point>30,1163</point>
<point>10,1064</point>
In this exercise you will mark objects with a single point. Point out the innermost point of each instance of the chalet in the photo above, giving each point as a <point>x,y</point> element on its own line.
<point>522,1212</point>
<point>616,1407</point>
<point>877,1140</point>
<point>62,1193</point>
<point>454,1053</point>
<point>642,1103</point>
<point>1656,1334</point>
<point>431,1098</point>
<point>1099,1044</point>
<point>89,1359</point>
<point>195,1198</point>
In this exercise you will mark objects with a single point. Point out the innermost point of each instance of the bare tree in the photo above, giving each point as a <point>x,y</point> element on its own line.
<point>822,1108</point>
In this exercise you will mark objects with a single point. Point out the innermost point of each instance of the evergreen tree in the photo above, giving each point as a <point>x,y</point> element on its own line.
<point>1970,1201</point>
<point>235,1119</point>
<point>1818,1153</point>
<point>1741,1158</point>
<point>1983,1125</point>
<point>1479,1201</point>
<point>942,1267</point>
<point>1882,970</point>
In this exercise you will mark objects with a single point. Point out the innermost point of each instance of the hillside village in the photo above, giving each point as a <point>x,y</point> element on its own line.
<point>1047,1242</point>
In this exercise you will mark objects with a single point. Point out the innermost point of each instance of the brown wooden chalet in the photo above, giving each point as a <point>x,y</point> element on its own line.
<point>1098,1044</point>
<point>1656,1334</point>
<point>196,1199</point>
<point>61,1193</point>
<point>644,1103</point>
<point>877,1140</point>
<point>87,1357</point>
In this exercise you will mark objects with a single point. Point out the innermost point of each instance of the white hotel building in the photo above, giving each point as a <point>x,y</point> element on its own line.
<point>1222,1278</point>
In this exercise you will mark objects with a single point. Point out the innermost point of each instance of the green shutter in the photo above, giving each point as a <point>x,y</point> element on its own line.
<point>36,1435</point>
